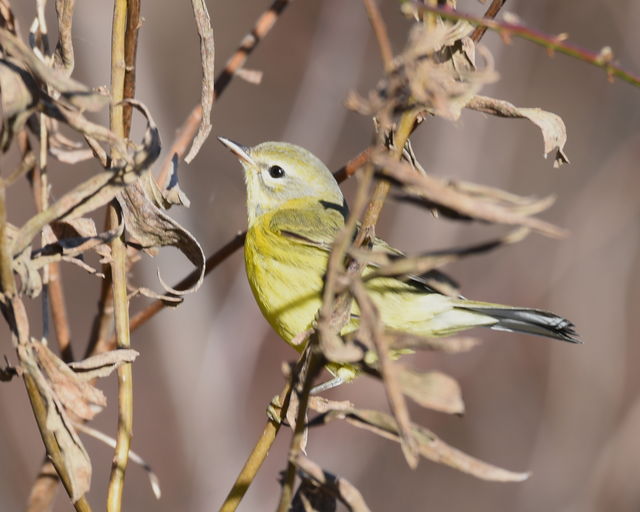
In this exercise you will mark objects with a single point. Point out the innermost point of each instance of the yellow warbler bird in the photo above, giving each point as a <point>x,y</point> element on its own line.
<point>296,209</point>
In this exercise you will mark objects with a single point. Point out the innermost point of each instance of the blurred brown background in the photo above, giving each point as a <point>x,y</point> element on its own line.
<point>207,370</point>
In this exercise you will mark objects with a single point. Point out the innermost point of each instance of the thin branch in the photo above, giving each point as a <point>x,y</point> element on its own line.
<point>257,455</point>
<point>603,59</point>
<point>490,14</point>
<point>380,30</point>
<point>134,23</point>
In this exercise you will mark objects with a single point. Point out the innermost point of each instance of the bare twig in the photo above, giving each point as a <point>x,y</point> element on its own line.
<point>490,14</point>
<point>380,30</point>
<point>602,59</point>
<point>134,22</point>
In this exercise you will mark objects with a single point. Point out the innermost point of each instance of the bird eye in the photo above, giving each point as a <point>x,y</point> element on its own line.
<point>275,171</point>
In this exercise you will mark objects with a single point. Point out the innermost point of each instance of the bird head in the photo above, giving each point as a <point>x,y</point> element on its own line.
<point>277,172</point>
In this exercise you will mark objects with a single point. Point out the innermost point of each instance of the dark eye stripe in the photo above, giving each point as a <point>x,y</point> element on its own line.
<point>275,171</point>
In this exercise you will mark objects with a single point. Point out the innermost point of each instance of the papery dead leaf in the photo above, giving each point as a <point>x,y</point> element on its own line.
<point>73,91</point>
<point>434,390</point>
<point>451,345</point>
<point>74,456</point>
<point>74,393</point>
<point>99,189</point>
<point>438,191</point>
<point>151,229</point>
<point>207,57</point>
<point>551,125</point>
<point>18,98</point>
<point>103,364</point>
<point>429,445</point>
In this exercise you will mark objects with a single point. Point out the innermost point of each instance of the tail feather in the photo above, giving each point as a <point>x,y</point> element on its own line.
<point>530,321</point>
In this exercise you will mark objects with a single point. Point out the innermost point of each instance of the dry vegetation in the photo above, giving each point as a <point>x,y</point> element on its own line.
<point>48,115</point>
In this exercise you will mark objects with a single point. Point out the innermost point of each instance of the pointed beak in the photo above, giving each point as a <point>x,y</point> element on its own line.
<point>242,152</point>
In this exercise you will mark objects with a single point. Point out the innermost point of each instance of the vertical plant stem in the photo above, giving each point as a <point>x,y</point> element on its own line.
<point>119,273</point>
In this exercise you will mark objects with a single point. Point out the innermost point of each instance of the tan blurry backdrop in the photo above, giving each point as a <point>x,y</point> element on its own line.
<point>570,414</point>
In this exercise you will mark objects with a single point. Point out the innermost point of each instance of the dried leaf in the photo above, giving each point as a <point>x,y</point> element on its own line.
<point>75,457</point>
<point>327,486</point>
<point>103,364</point>
<point>151,229</point>
<point>207,56</point>
<point>409,267</point>
<point>99,189</point>
<point>452,345</point>
<point>434,390</point>
<point>551,125</point>
<point>74,393</point>
<point>429,445</point>
<point>438,191</point>
<point>76,93</point>
<point>435,73</point>
<point>18,98</point>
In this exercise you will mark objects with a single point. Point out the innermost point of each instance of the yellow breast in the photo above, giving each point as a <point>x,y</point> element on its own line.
<point>286,278</point>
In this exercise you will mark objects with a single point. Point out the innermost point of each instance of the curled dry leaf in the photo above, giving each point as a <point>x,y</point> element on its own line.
<point>429,445</point>
<point>77,94</point>
<point>207,56</point>
<point>551,125</point>
<point>99,189</point>
<point>18,98</point>
<point>151,229</point>
<point>439,192</point>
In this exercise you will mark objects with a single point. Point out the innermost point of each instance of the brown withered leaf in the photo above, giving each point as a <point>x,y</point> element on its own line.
<point>324,488</point>
<point>430,446</point>
<point>435,73</point>
<point>77,94</point>
<point>151,229</point>
<point>391,265</point>
<point>434,390</point>
<point>452,345</point>
<point>207,57</point>
<point>18,98</point>
<point>100,188</point>
<point>76,395</point>
<point>438,191</point>
<point>103,364</point>
<point>75,457</point>
<point>551,125</point>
